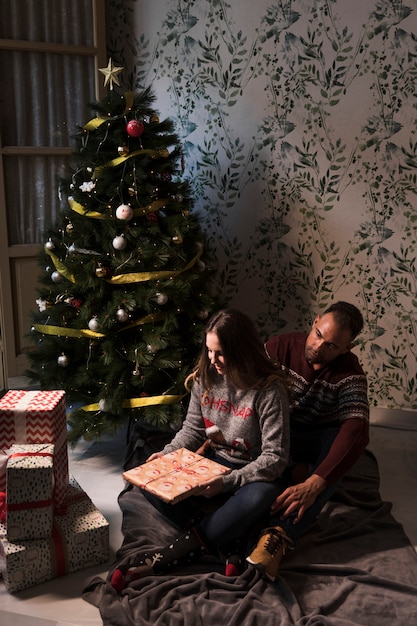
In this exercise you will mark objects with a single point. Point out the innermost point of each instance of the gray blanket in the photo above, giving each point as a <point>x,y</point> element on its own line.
<point>355,566</point>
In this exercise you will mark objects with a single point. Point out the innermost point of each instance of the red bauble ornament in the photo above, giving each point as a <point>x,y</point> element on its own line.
<point>135,128</point>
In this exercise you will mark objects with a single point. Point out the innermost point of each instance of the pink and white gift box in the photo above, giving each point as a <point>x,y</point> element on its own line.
<point>29,491</point>
<point>36,417</point>
<point>79,539</point>
<point>176,475</point>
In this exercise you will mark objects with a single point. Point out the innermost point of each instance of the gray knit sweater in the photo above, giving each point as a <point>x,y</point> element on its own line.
<point>248,428</point>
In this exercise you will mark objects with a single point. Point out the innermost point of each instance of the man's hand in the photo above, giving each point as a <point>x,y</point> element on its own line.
<point>298,498</point>
<point>211,488</point>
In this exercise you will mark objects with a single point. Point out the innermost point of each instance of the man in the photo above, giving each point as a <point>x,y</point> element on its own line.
<point>329,420</point>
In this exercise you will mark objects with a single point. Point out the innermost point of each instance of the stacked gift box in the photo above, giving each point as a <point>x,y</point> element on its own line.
<point>48,525</point>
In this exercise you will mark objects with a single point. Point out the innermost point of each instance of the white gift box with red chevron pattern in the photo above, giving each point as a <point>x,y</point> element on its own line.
<point>79,539</point>
<point>36,417</point>
<point>29,489</point>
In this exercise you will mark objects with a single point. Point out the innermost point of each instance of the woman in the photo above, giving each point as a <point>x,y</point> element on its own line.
<point>239,407</point>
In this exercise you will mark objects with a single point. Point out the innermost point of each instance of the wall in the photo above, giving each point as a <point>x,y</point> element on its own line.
<point>298,121</point>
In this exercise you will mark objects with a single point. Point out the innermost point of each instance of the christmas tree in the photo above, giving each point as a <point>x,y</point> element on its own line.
<point>124,288</point>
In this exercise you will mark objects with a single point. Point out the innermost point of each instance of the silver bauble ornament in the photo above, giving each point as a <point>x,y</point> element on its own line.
<point>50,245</point>
<point>94,324</point>
<point>119,242</point>
<point>122,315</point>
<point>161,298</point>
<point>56,277</point>
<point>63,360</point>
<point>104,405</point>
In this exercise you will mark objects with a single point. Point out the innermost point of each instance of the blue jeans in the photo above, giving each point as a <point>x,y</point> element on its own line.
<point>309,447</point>
<point>235,515</point>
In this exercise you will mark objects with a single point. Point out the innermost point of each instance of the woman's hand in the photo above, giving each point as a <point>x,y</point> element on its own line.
<point>211,488</point>
<point>155,455</point>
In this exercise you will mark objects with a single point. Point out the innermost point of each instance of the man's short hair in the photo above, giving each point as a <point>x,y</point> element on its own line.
<point>347,316</point>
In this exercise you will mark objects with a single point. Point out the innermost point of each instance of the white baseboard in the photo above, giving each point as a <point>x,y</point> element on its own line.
<point>403,419</point>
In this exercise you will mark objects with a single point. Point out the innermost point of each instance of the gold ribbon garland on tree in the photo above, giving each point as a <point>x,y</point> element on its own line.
<point>136,403</point>
<point>150,208</point>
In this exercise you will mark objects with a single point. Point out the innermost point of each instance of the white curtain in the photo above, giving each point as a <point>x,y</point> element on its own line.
<point>44,96</point>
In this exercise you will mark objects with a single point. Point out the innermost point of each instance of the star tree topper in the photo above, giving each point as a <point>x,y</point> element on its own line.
<point>111,73</point>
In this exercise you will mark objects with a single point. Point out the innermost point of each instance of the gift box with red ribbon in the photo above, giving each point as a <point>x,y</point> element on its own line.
<point>176,475</point>
<point>28,503</point>
<point>31,417</point>
<point>79,539</point>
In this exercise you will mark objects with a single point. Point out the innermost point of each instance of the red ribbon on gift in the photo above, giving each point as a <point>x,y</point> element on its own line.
<point>21,506</point>
<point>15,454</point>
<point>59,551</point>
<point>183,468</point>
<point>59,541</point>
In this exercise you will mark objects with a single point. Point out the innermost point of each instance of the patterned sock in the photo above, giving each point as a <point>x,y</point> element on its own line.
<point>186,548</point>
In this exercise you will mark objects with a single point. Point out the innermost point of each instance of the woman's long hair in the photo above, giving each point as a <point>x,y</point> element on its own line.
<point>246,364</point>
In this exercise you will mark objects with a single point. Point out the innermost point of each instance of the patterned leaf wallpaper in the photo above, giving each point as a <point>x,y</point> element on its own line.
<point>298,120</point>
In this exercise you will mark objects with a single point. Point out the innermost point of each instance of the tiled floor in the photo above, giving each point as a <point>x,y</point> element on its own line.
<point>98,470</point>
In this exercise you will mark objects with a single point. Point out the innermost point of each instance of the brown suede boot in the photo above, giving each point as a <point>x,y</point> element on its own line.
<point>266,557</point>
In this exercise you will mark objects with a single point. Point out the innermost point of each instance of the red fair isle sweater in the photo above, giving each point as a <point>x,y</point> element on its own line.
<point>335,395</point>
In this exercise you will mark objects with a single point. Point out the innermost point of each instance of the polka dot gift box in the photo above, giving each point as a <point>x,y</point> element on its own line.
<point>29,488</point>
<point>79,539</point>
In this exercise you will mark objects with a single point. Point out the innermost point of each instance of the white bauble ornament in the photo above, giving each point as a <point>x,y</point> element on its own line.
<point>119,242</point>
<point>151,349</point>
<point>63,360</point>
<point>122,315</point>
<point>124,212</point>
<point>104,405</point>
<point>50,245</point>
<point>56,277</point>
<point>161,298</point>
<point>93,324</point>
